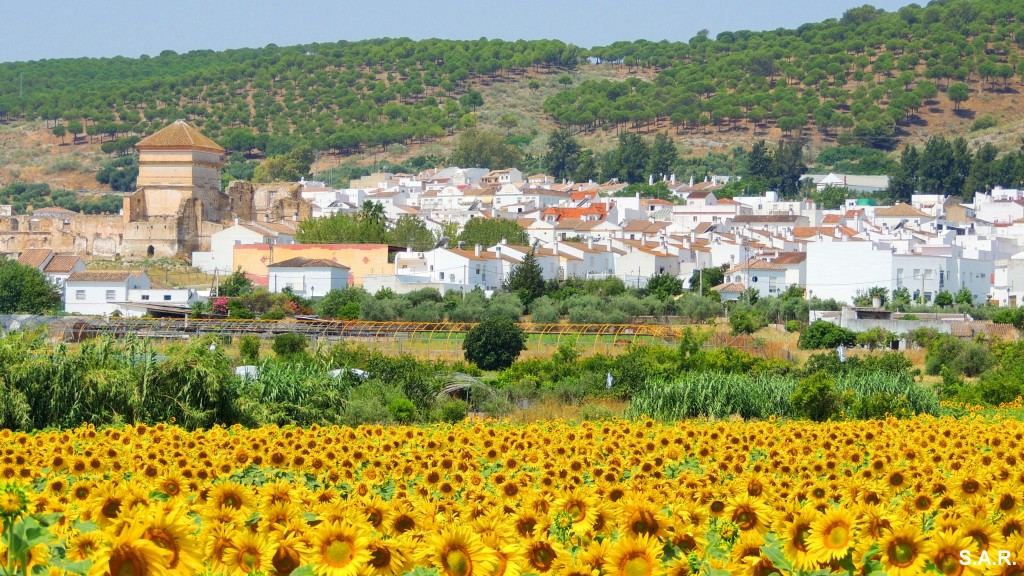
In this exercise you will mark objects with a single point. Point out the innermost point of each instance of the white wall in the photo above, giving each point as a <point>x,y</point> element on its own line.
<point>99,298</point>
<point>839,269</point>
<point>310,282</point>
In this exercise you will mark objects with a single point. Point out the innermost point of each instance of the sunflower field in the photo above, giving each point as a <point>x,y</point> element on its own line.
<point>490,498</point>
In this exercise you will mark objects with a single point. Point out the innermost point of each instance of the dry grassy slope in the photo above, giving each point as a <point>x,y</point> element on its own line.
<point>28,152</point>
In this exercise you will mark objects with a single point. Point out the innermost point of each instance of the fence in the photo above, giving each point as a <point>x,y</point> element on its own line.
<point>442,340</point>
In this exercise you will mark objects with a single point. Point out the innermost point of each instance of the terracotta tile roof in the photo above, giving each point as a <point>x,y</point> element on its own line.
<point>765,218</point>
<point>831,219</point>
<point>644,226</point>
<point>729,287</point>
<point>754,264</point>
<point>471,255</point>
<point>34,257</point>
<point>279,228</point>
<point>786,258</point>
<point>178,135</point>
<point>54,210</point>
<point>62,264</point>
<point>901,210</point>
<point>102,276</point>
<point>300,262</point>
<point>698,195</point>
<point>830,231</point>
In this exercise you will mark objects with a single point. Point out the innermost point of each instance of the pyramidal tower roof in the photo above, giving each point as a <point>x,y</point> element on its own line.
<point>179,135</point>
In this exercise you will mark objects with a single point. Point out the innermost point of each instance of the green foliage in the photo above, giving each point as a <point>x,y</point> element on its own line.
<point>563,155</point>
<point>482,149</point>
<point>984,123</point>
<point>816,397</point>
<point>25,290</point>
<point>1014,316</point>
<point>943,299</point>
<point>120,173</point>
<point>526,279</point>
<point>289,346</point>
<point>959,356</point>
<point>237,284</point>
<point>249,348</point>
<point>821,334</point>
<point>342,303</point>
<point>746,322</point>
<point>494,343</point>
<point>831,197</point>
<point>368,226</point>
<point>453,411</point>
<point>704,280</point>
<point>491,231</point>
<point>411,231</point>
<point>402,410</point>
<point>876,337</point>
<point>287,167</point>
<point>663,286</point>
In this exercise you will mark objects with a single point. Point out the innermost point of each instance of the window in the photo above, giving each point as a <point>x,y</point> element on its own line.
<point>79,294</point>
<point>440,275</point>
<point>477,271</point>
<point>167,296</point>
<point>145,297</point>
<point>111,295</point>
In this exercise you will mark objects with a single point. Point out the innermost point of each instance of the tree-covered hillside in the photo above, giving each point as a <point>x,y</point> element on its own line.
<point>866,75</point>
<point>338,96</point>
<point>863,79</point>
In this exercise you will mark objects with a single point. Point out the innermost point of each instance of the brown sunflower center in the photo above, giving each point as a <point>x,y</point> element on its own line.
<point>127,562</point>
<point>380,557</point>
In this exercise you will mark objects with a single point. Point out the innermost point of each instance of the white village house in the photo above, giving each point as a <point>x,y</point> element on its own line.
<point>308,277</point>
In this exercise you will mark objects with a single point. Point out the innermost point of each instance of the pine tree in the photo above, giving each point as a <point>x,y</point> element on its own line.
<point>526,280</point>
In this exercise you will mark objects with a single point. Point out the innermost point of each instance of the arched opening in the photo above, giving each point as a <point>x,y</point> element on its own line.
<point>150,251</point>
<point>14,224</point>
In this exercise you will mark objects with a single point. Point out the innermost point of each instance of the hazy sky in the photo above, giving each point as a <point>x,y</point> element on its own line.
<point>37,29</point>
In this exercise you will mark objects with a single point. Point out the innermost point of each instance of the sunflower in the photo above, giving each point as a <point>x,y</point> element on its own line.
<point>130,554</point>
<point>639,517</point>
<point>581,506</point>
<point>217,542</point>
<point>748,513</point>
<point>944,551</point>
<point>831,535</point>
<point>795,537</point>
<point>640,556</point>
<point>105,504</point>
<point>173,483</point>
<point>84,545</point>
<point>291,553</point>
<point>230,495</point>
<point>339,549</point>
<point>172,531</point>
<point>982,533</point>
<point>903,551</point>
<point>457,551</point>
<point>509,561</point>
<point>388,557</point>
<point>248,552</point>
<point>542,554</point>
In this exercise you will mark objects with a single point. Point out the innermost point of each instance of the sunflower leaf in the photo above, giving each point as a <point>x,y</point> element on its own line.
<point>303,571</point>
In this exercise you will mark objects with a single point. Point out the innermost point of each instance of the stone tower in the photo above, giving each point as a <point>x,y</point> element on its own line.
<point>178,195</point>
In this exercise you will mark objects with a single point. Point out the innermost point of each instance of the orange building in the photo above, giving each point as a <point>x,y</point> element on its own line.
<point>361,259</point>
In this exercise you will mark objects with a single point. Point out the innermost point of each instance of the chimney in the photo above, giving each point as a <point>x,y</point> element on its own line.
<point>609,242</point>
<point>554,248</point>
<point>236,220</point>
<point>693,236</point>
<point>590,243</point>
<point>504,241</point>
<point>476,250</point>
<point>461,244</point>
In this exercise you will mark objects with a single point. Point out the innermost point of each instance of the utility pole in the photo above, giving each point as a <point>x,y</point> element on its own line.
<point>701,282</point>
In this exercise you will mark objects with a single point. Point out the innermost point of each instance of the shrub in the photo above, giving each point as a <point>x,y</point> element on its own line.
<point>743,322</point>
<point>494,344</point>
<point>249,348</point>
<point>275,313</point>
<point>793,326</point>
<point>544,311</point>
<point>596,412</point>
<point>816,397</point>
<point>962,357</point>
<point>402,410</point>
<point>985,122</point>
<point>289,345</point>
<point>821,334</point>
<point>453,411</point>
